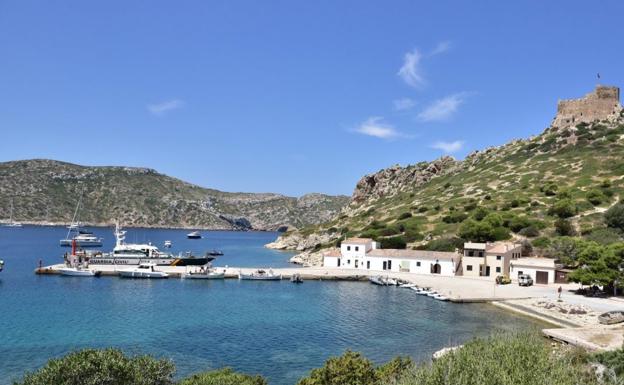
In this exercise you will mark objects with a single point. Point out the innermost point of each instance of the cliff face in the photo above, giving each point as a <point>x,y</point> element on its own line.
<point>520,181</point>
<point>46,191</point>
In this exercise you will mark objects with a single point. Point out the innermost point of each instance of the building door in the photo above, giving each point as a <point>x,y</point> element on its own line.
<point>436,269</point>
<point>338,262</point>
<point>368,264</point>
<point>561,276</point>
<point>487,271</point>
<point>356,263</point>
<point>389,265</point>
<point>384,267</point>
<point>541,277</point>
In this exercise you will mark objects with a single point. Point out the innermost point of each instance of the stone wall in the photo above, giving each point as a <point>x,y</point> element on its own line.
<point>601,104</point>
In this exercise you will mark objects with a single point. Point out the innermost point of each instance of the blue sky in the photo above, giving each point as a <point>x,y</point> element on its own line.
<point>290,96</point>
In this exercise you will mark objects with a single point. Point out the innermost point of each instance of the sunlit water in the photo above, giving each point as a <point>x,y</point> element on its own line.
<point>276,329</point>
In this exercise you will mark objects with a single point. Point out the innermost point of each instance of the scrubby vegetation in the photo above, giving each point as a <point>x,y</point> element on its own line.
<point>517,359</point>
<point>539,188</point>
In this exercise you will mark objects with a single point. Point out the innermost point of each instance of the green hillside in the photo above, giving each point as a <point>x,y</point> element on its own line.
<point>557,183</point>
<point>45,191</point>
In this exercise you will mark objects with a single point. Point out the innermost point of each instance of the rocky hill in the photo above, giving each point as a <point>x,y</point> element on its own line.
<point>558,182</point>
<point>47,191</point>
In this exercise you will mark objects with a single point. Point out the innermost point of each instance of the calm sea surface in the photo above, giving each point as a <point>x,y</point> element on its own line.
<point>276,329</point>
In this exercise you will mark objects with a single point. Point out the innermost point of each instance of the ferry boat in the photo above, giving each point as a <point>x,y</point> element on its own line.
<point>135,254</point>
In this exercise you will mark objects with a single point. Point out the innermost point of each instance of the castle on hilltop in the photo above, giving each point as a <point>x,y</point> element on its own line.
<point>601,104</point>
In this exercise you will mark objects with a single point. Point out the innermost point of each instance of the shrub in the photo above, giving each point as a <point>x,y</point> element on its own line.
<point>541,242</point>
<point>397,242</point>
<point>614,217</point>
<point>422,209</point>
<point>614,360</point>
<point>405,215</point>
<point>604,236</point>
<point>550,189</point>
<point>444,244</point>
<point>529,232</point>
<point>102,367</point>
<point>522,359</point>
<point>349,369</point>
<point>595,196</point>
<point>224,376</point>
<point>393,370</point>
<point>455,217</point>
<point>480,213</point>
<point>564,227</point>
<point>564,208</point>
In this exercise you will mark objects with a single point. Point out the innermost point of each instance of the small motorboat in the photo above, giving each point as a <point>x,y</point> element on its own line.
<point>392,282</point>
<point>260,275</point>
<point>194,235</point>
<point>432,293</point>
<point>423,290</point>
<point>168,244</point>
<point>296,278</point>
<point>214,253</point>
<point>377,280</point>
<point>144,270</point>
<point>1,265</point>
<point>440,297</point>
<point>79,271</point>
<point>611,317</point>
<point>204,272</point>
<point>408,285</point>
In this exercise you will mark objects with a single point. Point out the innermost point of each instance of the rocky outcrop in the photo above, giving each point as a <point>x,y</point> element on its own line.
<point>298,242</point>
<point>396,179</point>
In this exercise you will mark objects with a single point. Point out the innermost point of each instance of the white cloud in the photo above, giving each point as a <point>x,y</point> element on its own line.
<point>403,104</point>
<point>442,109</point>
<point>164,107</point>
<point>375,126</point>
<point>448,147</point>
<point>442,47</point>
<point>410,72</point>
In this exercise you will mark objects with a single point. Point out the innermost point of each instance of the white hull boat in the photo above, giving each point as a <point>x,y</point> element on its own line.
<point>78,272</point>
<point>408,285</point>
<point>260,275</point>
<point>432,294</point>
<point>144,270</point>
<point>207,275</point>
<point>440,297</point>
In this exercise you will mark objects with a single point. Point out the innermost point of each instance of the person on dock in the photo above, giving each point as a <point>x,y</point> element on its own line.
<point>559,290</point>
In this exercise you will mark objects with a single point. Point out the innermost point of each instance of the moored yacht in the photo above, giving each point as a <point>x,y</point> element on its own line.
<point>194,235</point>
<point>134,254</point>
<point>83,239</point>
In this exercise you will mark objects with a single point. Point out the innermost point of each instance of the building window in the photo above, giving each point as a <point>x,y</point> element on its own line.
<point>469,267</point>
<point>498,257</point>
<point>357,248</point>
<point>348,261</point>
<point>368,264</point>
<point>348,248</point>
<point>471,253</point>
<point>519,273</point>
<point>480,253</point>
<point>418,264</point>
<point>498,269</point>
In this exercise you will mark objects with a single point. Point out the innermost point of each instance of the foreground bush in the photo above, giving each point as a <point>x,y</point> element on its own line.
<point>223,377</point>
<point>102,367</point>
<point>505,360</point>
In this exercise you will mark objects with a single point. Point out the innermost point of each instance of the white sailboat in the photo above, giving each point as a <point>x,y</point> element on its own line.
<point>82,238</point>
<point>11,223</point>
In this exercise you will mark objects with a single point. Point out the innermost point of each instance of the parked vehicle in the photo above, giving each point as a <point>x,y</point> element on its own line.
<point>525,280</point>
<point>503,280</point>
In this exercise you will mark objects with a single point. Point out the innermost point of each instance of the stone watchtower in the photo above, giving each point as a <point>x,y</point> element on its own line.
<point>601,104</point>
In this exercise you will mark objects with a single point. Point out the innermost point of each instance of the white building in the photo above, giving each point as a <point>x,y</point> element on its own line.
<point>365,254</point>
<point>542,270</point>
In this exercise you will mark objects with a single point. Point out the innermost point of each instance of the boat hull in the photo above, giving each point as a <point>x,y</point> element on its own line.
<point>143,274</point>
<point>121,261</point>
<point>71,272</point>
<point>68,243</point>
<point>204,276</point>
<point>248,277</point>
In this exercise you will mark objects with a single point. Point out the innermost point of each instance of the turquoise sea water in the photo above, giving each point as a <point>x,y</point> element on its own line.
<point>276,329</point>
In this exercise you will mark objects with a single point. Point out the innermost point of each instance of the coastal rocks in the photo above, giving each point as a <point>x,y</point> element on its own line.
<point>237,223</point>
<point>298,242</point>
<point>309,258</point>
<point>395,179</point>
